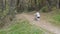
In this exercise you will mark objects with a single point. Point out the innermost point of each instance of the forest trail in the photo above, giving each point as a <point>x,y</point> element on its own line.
<point>43,23</point>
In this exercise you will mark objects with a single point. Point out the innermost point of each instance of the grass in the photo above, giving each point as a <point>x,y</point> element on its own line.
<point>54,17</point>
<point>56,20</point>
<point>21,27</point>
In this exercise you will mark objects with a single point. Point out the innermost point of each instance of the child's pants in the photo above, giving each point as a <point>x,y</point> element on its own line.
<point>38,18</point>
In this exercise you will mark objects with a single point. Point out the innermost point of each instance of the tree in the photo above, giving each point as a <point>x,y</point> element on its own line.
<point>57,3</point>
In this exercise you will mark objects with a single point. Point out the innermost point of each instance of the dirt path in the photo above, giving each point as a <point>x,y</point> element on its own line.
<point>42,23</point>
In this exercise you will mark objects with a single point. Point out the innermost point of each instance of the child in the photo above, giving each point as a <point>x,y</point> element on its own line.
<point>37,16</point>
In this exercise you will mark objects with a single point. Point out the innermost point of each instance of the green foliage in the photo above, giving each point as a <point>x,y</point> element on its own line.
<point>4,12</point>
<point>44,9</point>
<point>56,20</point>
<point>55,17</point>
<point>2,32</point>
<point>22,27</point>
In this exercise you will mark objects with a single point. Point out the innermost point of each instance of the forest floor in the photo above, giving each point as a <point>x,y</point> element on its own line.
<point>43,23</point>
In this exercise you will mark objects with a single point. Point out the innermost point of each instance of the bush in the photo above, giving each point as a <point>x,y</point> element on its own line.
<point>44,9</point>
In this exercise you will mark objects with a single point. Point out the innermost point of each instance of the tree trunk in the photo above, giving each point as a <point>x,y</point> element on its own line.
<point>58,4</point>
